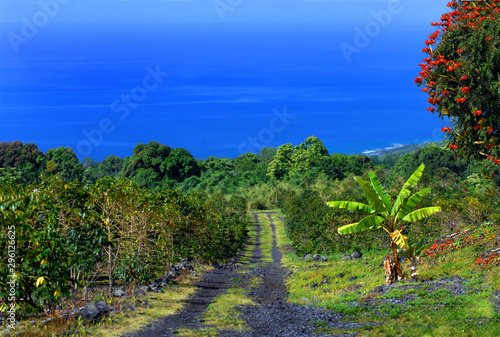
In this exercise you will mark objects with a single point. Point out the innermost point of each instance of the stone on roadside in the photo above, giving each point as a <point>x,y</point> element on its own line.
<point>91,312</point>
<point>120,293</point>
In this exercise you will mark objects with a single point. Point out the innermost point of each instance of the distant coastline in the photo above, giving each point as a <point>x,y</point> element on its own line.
<point>394,148</point>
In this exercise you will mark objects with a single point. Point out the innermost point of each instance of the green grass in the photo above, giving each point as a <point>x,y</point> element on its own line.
<point>436,313</point>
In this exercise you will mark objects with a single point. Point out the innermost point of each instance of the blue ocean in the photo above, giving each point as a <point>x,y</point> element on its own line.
<point>213,89</point>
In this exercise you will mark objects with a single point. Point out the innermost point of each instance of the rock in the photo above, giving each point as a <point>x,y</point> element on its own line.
<point>91,312</point>
<point>138,292</point>
<point>379,289</point>
<point>315,257</point>
<point>127,306</point>
<point>119,293</point>
<point>347,257</point>
<point>340,275</point>
<point>356,255</point>
<point>307,257</point>
<point>103,306</point>
<point>323,259</point>
<point>352,278</point>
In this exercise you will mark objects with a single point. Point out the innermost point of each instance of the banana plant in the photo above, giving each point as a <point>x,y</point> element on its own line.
<point>387,215</point>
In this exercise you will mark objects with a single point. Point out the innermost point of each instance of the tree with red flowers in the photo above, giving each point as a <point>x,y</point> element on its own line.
<point>461,75</point>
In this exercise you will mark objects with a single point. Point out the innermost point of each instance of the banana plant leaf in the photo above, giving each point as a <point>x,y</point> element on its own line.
<point>351,206</point>
<point>415,177</point>
<point>371,194</point>
<point>421,213</point>
<point>400,200</point>
<point>368,223</point>
<point>413,201</point>
<point>400,239</point>
<point>386,199</point>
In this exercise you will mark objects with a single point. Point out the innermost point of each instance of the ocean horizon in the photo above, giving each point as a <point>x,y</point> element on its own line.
<point>212,90</point>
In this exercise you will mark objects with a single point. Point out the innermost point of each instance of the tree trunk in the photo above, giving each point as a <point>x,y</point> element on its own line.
<point>397,266</point>
<point>110,270</point>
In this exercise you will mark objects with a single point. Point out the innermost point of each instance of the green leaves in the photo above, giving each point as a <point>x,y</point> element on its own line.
<point>421,213</point>
<point>351,206</point>
<point>380,204</point>
<point>382,193</point>
<point>368,223</point>
<point>372,196</point>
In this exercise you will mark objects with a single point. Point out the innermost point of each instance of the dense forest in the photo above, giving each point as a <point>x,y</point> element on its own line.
<point>130,218</point>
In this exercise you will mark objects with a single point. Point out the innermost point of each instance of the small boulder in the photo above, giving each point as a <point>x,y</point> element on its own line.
<point>103,306</point>
<point>138,292</point>
<point>307,257</point>
<point>91,312</point>
<point>315,257</point>
<point>323,259</point>
<point>347,257</point>
<point>356,255</point>
<point>120,293</point>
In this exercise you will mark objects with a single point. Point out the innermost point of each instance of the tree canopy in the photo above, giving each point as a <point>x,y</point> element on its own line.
<point>461,74</point>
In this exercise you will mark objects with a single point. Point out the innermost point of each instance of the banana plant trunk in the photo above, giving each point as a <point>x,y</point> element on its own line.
<point>397,266</point>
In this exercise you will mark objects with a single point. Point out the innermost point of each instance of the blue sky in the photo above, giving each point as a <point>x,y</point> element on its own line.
<point>67,67</point>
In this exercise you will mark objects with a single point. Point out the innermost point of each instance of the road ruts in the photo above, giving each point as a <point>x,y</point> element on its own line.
<point>213,284</point>
<point>273,316</point>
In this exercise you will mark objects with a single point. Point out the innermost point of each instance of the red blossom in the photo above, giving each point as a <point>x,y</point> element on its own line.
<point>463,78</point>
<point>461,100</point>
<point>453,147</point>
<point>477,112</point>
<point>445,129</point>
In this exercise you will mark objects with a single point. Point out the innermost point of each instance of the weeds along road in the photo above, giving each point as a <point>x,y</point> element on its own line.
<point>246,298</point>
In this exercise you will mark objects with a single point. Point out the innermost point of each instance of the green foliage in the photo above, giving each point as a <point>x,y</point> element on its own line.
<point>291,161</point>
<point>27,159</point>
<point>66,231</point>
<point>461,75</point>
<point>387,215</point>
<point>63,161</point>
<point>439,162</point>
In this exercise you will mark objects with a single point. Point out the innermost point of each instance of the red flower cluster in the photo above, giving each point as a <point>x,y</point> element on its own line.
<point>447,81</point>
<point>454,67</point>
